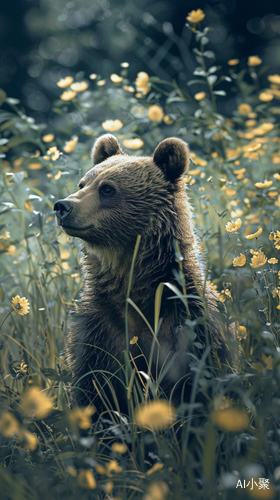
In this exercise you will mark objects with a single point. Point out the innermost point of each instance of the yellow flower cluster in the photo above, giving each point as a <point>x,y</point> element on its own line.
<point>142,83</point>
<point>112,125</point>
<point>10,426</point>
<point>276,238</point>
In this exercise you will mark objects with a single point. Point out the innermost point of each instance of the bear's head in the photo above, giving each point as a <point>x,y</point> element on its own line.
<point>123,196</point>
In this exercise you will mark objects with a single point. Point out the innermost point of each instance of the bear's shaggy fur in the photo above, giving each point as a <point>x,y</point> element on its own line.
<point>120,198</point>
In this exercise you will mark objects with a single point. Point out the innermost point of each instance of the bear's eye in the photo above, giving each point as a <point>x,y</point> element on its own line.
<point>81,185</point>
<point>107,190</point>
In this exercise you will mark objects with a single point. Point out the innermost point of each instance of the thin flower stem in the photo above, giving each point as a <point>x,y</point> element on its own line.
<point>6,318</point>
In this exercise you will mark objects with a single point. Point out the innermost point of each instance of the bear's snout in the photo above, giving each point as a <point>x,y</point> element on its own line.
<point>62,209</point>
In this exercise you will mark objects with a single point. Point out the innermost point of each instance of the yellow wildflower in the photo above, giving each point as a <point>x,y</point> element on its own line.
<point>68,95</point>
<point>142,83</point>
<point>35,166</point>
<point>100,83</point>
<point>114,467</point>
<point>119,448</point>
<point>233,62</point>
<point>157,466</point>
<point>48,138</point>
<point>155,415</point>
<point>230,419</point>
<point>109,487</point>
<point>167,120</point>
<point>244,109</point>
<point>155,113</point>
<point>195,16</point>
<point>233,226</point>
<point>112,125</point>
<point>236,213</point>
<point>258,260</point>
<point>54,153</point>
<point>267,127</point>
<point>265,97</point>
<point>256,147</point>
<point>225,295</point>
<point>199,96</point>
<point>241,332</point>
<point>71,471</point>
<point>82,416</point>
<point>250,123</point>
<point>273,261</point>
<point>93,76</point>
<point>254,235</point>
<point>36,403</point>
<point>79,86</point>
<point>134,340</point>
<point>133,143</point>
<point>277,240</point>
<point>58,175</point>
<point>70,145</point>
<point>264,184</point>
<point>116,78</point>
<point>254,61</point>
<point>65,82</point>
<point>28,206</point>
<point>9,425</point>
<point>157,490</point>
<point>277,176</point>
<point>196,171</point>
<point>239,261</point>
<point>29,440</point>
<point>5,236</point>
<point>128,88</point>
<point>20,305</point>
<point>86,479</point>
<point>11,250</point>
<point>274,79</point>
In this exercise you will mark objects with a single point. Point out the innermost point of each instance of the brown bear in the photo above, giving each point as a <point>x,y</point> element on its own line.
<point>120,198</point>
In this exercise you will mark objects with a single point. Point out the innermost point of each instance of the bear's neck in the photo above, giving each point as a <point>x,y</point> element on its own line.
<point>106,271</point>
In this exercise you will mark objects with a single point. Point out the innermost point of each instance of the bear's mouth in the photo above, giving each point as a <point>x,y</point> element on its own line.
<point>72,228</point>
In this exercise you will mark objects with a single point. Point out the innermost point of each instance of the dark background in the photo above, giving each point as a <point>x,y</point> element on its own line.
<point>42,41</point>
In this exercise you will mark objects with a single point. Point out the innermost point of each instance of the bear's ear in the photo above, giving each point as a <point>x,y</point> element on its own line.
<point>104,147</point>
<point>172,157</point>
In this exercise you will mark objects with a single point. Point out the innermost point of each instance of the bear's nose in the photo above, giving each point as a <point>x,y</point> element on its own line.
<point>62,209</point>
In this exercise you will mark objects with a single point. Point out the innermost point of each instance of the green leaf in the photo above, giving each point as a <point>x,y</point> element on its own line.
<point>219,92</point>
<point>12,101</point>
<point>212,79</point>
<point>192,82</point>
<point>3,96</point>
<point>1,294</point>
<point>18,177</point>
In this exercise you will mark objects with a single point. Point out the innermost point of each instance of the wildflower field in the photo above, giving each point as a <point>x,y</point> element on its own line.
<point>222,446</point>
